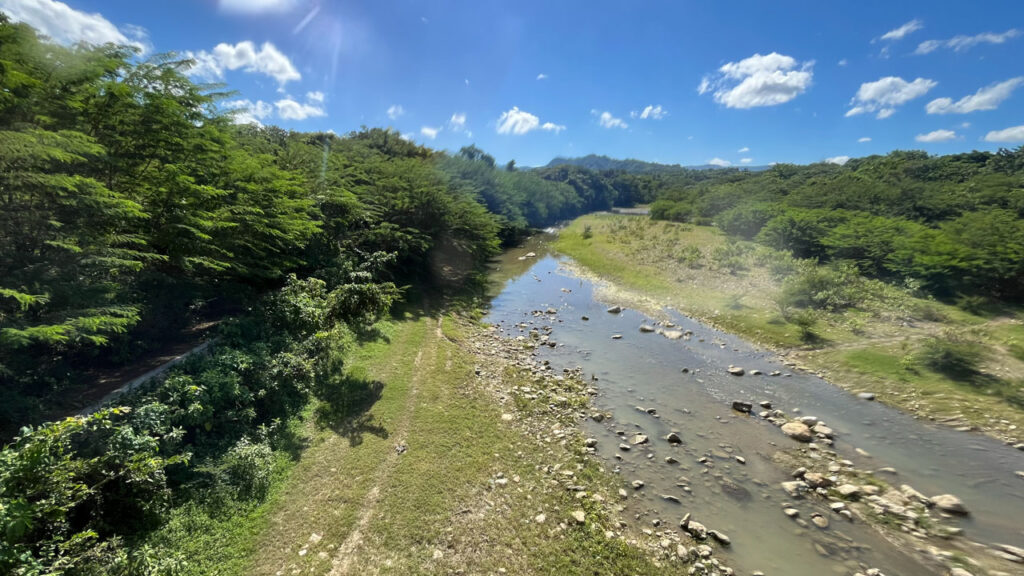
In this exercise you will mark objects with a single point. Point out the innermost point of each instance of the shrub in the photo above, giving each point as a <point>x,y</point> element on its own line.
<point>822,287</point>
<point>249,466</point>
<point>588,233</point>
<point>952,355</point>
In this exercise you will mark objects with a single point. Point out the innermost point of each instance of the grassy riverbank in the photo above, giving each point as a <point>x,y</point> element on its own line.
<point>433,474</point>
<point>877,345</point>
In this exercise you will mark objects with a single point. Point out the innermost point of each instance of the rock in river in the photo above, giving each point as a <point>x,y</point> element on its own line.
<point>646,328</point>
<point>741,406</point>
<point>673,438</point>
<point>736,371</point>
<point>866,395</point>
<point>639,439</point>
<point>615,309</point>
<point>949,504</point>
<point>797,431</point>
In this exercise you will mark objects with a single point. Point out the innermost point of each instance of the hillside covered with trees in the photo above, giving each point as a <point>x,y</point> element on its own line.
<point>951,225</point>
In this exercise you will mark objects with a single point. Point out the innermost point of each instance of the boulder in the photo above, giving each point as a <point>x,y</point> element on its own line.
<point>673,438</point>
<point>646,328</point>
<point>866,395</point>
<point>720,537</point>
<point>741,406</point>
<point>736,371</point>
<point>615,310</point>
<point>797,431</point>
<point>639,439</point>
<point>817,480</point>
<point>949,504</point>
<point>822,430</point>
<point>849,491</point>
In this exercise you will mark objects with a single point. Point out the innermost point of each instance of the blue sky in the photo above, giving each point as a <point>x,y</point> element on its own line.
<point>724,82</point>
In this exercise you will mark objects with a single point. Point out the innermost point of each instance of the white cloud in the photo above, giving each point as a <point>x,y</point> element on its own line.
<point>257,6</point>
<point>864,139</point>
<point>457,123</point>
<point>395,111</point>
<point>719,162</point>
<point>746,160</point>
<point>430,131</point>
<point>291,110</point>
<point>407,137</point>
<point>268,60</point>
<point>650,112</point>
<point>744,149</point>
<point>987,98</point>
<point>316,96</point>
<point>840,160</point>
<point>843,62</point>
<point>542,76</point>
<point>552,127</point>
<point>884,95</point>
<point>965,125</point>
<point>606,120</point>
<point>936,136</point>
<point>766,80</point>
<point>963,43</point>
<point>65,25</point>
<point>520,122</point>
<point>249,112</point>
<point>905,30</point>
<point>1014,134</point>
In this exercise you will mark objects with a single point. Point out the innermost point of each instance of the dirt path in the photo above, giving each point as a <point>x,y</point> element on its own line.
<point>349,549</point>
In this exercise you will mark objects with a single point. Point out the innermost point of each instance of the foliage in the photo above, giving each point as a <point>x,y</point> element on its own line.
<point>950,224</point>
<point>952,355</point>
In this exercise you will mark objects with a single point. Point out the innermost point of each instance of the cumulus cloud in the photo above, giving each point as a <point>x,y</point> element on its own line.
<point>840,160</point>
<point>316,96</point>
<point>650,113</point>
<point>987,98</point>
<point>719,162</point>
<point>864,139</point>
<point>744,149</point>
<point>65,25</point>
<point>746,160</point>
<point>395,111</point>
<point>1014,134</point>
<point>606,120</point>
<point>843,62</point>
<point>457,123</point>
<point>963,43</point>
<point>268,60</point>
<point>936,136</point>
<point>257,6</point>
<point>519,122</point>
<point>542,76</point>
<point>884,95</point>
<point>905,30</point>
<point>767,80</point>
<point>291,110</point>
<point>430,131</point>
<point>249,112</point>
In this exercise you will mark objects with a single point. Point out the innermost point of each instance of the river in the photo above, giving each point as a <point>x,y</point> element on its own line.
<point>744,500</point>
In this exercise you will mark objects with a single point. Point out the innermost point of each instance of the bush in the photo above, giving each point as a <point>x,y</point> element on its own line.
<point>822,287</point>
<point>689,255</point>
<point>588,233</point>
<point>952,355</point>
<point>249,466</point>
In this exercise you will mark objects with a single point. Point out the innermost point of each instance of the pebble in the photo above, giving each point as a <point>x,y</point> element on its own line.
<point>579,516</point>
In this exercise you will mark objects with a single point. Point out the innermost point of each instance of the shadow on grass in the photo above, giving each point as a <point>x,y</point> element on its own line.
<point>345,405</point>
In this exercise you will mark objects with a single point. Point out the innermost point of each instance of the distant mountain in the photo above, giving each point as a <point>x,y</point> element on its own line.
<point>633,166</point>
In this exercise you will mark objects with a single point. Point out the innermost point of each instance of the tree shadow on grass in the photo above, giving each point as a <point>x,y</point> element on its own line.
<point>345,405</point>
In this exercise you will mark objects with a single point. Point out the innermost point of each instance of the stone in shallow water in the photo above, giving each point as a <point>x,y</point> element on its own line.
<point>949,504</point>
<point>797,431</point>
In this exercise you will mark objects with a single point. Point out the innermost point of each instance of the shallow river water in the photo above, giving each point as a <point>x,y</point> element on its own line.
<point>744,500</point>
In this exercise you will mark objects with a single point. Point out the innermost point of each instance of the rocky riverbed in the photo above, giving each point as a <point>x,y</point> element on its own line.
<point>688,420</point>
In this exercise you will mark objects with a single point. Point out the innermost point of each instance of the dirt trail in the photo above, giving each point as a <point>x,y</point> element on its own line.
<point>344,558</point>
